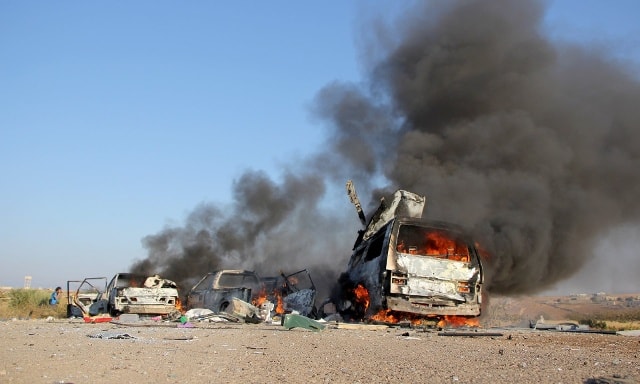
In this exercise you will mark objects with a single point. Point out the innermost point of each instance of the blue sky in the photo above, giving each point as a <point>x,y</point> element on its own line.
<point>119,118</point>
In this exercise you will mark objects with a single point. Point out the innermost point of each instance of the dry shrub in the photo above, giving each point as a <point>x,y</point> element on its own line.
<point>30,303</point>
<point>623,325</point>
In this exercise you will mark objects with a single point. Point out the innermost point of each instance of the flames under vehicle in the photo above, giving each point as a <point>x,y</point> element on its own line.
<point>404,267</point>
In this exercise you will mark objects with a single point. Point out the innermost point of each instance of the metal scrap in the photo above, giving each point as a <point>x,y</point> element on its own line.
<point>469,334</point>
<point>291,320</point>
<point>111,335</point>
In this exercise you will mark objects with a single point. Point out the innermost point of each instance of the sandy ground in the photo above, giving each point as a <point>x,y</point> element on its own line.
<point>64,351</point>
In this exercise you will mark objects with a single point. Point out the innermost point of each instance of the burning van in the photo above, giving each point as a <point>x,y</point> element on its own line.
<point>404,267</point>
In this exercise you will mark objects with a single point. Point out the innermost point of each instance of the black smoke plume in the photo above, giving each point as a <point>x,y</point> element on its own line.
<point>532,144</point>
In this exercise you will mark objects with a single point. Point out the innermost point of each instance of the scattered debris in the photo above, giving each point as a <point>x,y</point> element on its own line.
<point>111,335</point>
<point>98,319</point>
<point>243,311</point>
<point>614,379</point>
<point>265,311</point>
<point>469,334</point>
<point>196,313</point>
<point>360,326</point>
<point>566,326</point>
<point>598,331</point>
<point>558,325</point>
<point>180,338</point>
<point>291,320</point>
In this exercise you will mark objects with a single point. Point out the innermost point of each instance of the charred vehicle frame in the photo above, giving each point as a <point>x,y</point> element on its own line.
<point>409,267</point>
<point>125,293</point>
<point>216,291</point>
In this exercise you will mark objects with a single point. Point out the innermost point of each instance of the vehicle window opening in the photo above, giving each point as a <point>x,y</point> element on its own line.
<point>431,242</point>
<point>375,248</point>
<point>206,283</point>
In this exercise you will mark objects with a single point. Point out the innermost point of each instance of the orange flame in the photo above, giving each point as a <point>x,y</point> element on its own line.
<point>385,316</point>
<point>394,317</point>
<point>179,305</point>
<point>261,298</point>
<point>362,296</point>
<point>439,244</point>
<point>280,304</point>
<point>459,321</point>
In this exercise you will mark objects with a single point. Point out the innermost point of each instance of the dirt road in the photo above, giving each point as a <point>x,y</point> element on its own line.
<point>36,351</point>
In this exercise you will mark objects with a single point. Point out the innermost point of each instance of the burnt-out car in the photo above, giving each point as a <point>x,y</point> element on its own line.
<point>141,294</point>
<point>125,293</point>
<point>289,293</point>
<point>406,267</point>
<point>216,290</point>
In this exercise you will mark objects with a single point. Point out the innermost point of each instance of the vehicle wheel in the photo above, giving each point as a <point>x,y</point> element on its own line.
<point>224,306</point>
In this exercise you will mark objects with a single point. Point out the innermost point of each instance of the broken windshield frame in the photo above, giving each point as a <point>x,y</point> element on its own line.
<point>432,242</point>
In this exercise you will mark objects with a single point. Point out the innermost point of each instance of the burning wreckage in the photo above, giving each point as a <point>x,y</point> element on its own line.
<point>244,294</point>
<point>406,268</point>
<point>403,268</point>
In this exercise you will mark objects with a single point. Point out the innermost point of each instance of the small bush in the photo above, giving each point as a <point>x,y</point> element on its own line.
<point>20,298</point>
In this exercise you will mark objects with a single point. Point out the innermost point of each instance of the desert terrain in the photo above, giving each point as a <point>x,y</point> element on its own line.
<point>71,351</point>
<point>503,349</point>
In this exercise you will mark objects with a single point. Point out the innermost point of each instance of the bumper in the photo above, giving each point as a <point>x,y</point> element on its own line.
<point>417,307</point>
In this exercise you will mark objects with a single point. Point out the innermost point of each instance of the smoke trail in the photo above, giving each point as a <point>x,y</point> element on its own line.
<point>531,144</point>
<point>271,227</point>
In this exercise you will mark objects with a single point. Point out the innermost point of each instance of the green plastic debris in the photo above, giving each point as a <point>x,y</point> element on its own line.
<point>298,321</point>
